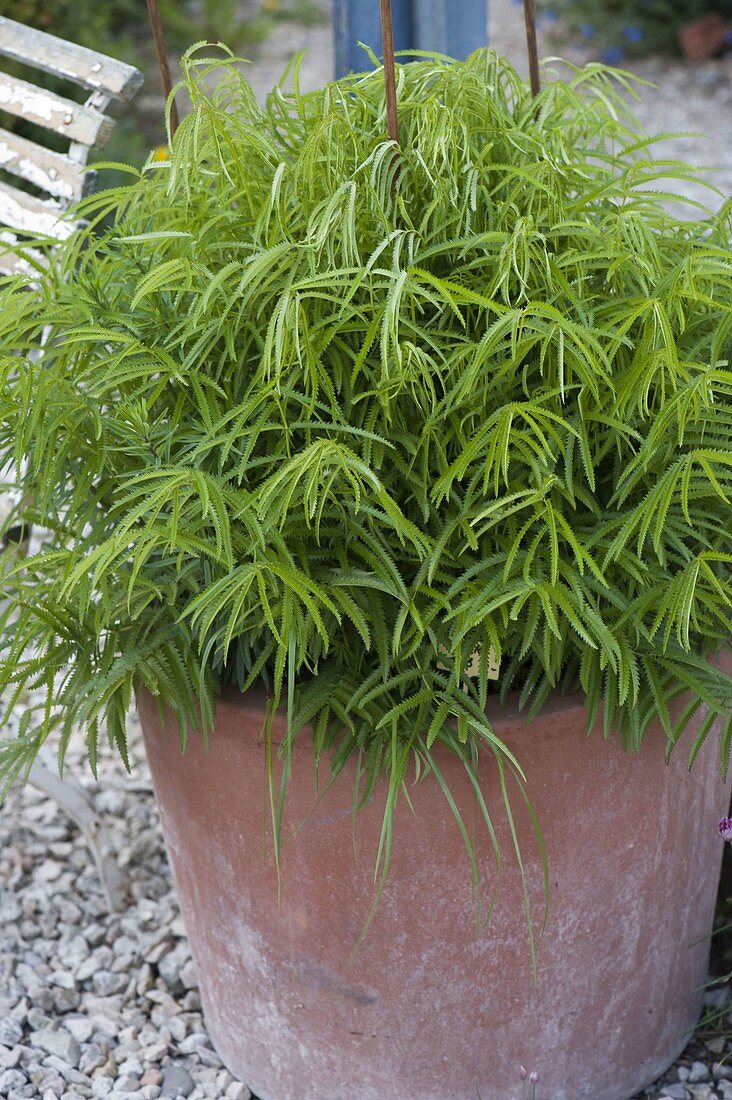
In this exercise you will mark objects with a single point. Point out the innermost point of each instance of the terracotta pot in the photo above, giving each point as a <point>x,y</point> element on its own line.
<point>427,1009</point>
<point>704,37</point>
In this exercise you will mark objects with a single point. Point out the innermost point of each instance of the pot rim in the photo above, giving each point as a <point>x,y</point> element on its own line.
<point>256,699</point>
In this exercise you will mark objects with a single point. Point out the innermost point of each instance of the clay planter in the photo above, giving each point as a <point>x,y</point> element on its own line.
<point>703,38</point>
<point>428,1010</point>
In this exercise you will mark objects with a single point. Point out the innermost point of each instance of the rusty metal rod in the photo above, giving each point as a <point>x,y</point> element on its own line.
<point>158,34</point>
<point>387,42</point>
<point>530,18</point>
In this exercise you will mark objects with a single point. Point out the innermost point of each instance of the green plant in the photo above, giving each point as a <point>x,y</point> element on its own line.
<point>529,1083</point>
<point>335,416</point>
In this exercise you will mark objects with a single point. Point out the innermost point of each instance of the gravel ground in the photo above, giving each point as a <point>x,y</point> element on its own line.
<point>92,1004</point>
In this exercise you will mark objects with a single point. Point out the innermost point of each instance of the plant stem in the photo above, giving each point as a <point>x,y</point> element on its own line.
<point>530,18</point>
<point>387,41</point>
<point>158,34</point>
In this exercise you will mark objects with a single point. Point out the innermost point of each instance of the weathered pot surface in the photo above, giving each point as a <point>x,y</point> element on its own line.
<point>427,1009</point>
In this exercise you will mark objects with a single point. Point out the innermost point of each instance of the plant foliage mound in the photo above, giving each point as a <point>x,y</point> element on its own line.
<point>336,417</point>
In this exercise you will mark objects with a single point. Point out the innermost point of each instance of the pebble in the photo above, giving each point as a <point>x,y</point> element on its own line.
<point>698,1072</point>
<point>237,1091</point>
<point>177,1081</point>
<point>92,1058</point>
<point>131,1066</point>
<point>10,1031</point>
<point>10,1058</point>
<point>58,1042</point>
<point>154,1053</point>
<point>129,1083</point>
<point>177,1028</point>
<point>105,982</point>
<point>66,1000</point>
<point>80,1027</point>
<point>193,1042</point>
<point>12,1079</point>
<point>151,1077</point>
<point>73,952</point>
<point>716,997</point>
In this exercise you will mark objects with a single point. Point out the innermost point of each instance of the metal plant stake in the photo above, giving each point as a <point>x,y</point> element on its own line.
<point>158,34</point>
<point>530,19</point>
<point>387,40</point>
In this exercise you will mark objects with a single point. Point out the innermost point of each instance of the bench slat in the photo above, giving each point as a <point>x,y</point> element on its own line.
<point>66,59</point>
<point>54,173</point>
<point>53,112</point>
<point>24,212</point>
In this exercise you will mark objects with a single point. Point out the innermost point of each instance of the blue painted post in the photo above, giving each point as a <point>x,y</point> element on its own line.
<point>446,26</point>
<point>357,21</point>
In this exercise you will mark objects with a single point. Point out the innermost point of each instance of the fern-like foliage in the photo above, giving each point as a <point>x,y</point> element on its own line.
<point>333,417</point>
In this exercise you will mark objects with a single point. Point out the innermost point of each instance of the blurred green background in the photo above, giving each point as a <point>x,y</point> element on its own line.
<point>615,31</point>
<point>121,28</point>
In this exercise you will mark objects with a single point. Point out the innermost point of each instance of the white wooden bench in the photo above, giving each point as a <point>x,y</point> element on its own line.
<point>62,179</point>
<point>60,176</point>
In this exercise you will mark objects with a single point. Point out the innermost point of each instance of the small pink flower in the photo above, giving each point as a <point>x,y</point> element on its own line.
<point>523,1073</point>
<point>533,1077</point>
<point>725,828</point>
